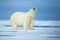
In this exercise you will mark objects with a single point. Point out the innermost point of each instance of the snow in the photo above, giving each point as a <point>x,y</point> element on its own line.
<point>39,33</point>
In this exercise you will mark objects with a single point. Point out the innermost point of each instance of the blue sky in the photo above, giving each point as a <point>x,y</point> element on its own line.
<point>46,9</point>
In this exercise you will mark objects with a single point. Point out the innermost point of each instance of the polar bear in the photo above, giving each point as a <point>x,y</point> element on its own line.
<point>25,19</point>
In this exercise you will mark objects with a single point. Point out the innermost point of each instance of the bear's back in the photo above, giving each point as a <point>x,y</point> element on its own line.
<point>18,17</point>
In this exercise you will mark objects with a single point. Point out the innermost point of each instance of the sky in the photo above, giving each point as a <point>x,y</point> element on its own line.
<point>46,9</point>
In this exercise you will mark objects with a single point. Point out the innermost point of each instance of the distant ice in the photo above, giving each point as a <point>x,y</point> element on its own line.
<point>36,23</point>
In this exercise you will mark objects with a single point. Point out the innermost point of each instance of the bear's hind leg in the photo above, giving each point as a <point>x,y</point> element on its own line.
<point>15,27</point>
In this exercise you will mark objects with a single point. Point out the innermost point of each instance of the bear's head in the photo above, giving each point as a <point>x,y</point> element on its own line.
<point>32,12</point>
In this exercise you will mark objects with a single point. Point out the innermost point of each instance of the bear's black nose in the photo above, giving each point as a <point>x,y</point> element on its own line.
<point>33,8</point>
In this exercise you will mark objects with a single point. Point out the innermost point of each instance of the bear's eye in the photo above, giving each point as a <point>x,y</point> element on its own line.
<point>33,8</point>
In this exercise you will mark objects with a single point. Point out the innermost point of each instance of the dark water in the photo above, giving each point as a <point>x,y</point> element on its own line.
<point>39,33</point>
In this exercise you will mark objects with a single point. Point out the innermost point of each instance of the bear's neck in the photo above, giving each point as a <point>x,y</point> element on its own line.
<point>31,14</point>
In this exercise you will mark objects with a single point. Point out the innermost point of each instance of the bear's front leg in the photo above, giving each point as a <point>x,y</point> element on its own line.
<point>31,24</point>
<point>26,26</point>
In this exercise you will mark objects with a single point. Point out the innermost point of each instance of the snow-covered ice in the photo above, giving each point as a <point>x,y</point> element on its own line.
<point>39,33</point>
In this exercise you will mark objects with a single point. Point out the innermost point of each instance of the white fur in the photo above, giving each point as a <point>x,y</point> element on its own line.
<point>25,19</point>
